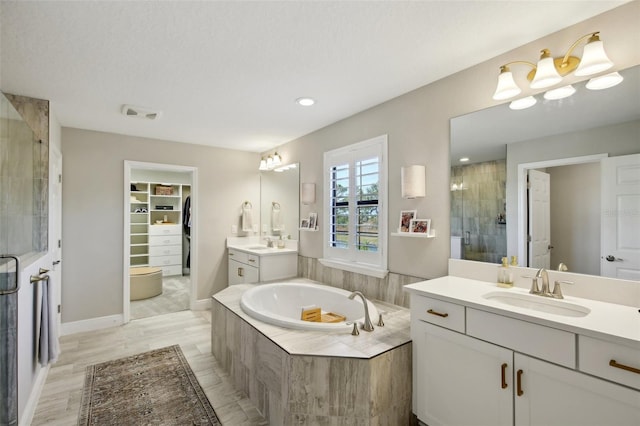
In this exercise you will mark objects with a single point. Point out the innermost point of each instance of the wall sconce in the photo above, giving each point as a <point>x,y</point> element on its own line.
<point>414,182</point>
<point>270,162</point>
<point>550,71</point>
<point>308,193</point>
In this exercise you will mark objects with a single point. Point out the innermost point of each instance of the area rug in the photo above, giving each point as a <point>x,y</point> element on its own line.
<point>152,388</point>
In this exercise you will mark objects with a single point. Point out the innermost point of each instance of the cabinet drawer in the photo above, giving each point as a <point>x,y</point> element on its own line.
<point>437,312</point>
<point>165,250</point>
<point>165,230</point>
<point>595,357</point>
<point>546,343</point>
<point>246,258</point>
<point>165,260</point>
<point>171,270</point>
<point>165,240</point>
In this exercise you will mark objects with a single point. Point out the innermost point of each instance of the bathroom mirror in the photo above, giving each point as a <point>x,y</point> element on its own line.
<point>487,206</point>
<point>280,202</point>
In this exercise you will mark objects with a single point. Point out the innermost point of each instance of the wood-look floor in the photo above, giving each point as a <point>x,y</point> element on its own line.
<point>60,400</point>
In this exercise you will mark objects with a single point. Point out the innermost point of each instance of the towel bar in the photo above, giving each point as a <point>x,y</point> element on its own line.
<point>17,287</point>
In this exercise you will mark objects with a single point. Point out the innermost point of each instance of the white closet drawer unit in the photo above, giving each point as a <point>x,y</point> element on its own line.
<point>165,250</point>
<point>165,240</point>
<point>165,260</point>
<point>171,270</point>
<point>611,361</point>
<point>437,312</point>
<point>165,229</point>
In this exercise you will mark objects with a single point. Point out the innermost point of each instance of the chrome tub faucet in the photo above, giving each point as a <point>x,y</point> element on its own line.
<point>367,326</point>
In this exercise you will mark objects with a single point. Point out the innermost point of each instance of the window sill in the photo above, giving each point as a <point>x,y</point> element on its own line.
<point>359,268</point>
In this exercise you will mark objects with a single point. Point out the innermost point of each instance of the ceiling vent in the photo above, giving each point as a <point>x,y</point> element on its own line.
<point>140,112</point>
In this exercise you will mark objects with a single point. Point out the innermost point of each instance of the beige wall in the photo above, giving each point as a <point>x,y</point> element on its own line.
<point>417,124</point>
<point>93,216</point>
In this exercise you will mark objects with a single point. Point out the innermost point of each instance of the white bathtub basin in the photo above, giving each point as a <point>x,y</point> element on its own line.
<point>281,304</point>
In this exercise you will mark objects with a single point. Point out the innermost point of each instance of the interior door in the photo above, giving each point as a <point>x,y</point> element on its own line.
<point>55,182</point>
<point>620,241</point>
<point>539,220</point>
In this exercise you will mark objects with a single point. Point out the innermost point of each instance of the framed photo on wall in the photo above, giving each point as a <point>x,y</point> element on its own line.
<point>313,219</point>
<point>405,220</point>
<point>420,226</point>
<point>304,224</point>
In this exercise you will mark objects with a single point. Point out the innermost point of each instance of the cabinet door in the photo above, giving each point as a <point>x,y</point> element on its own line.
<point>553,395</point>
<point>460,380</point>
<point>240,273</point>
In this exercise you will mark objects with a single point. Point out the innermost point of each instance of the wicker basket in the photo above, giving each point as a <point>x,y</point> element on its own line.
<point>164,190</point>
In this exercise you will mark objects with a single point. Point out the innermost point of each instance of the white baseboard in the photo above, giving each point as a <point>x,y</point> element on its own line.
<point>201,305</point>
<point>30,408</point>
<point>91,324</point>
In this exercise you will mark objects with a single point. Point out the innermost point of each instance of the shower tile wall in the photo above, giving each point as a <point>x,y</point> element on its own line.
<point>25,170</point>
<point>478,198</point>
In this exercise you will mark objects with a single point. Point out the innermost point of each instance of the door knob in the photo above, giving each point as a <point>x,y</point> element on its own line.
<point>611,258</point>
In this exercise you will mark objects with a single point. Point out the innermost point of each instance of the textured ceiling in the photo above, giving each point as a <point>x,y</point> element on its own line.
<point>227,73</point>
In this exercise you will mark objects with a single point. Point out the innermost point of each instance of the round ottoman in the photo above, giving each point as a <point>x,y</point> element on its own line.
<point>145,282</point>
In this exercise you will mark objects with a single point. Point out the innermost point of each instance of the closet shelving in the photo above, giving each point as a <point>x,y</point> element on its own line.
<point>139,224</point>
<point>156,226</point>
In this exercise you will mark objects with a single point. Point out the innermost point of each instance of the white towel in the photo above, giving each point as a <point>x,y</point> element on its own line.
<point>276,217</point>
<point>246,219</point>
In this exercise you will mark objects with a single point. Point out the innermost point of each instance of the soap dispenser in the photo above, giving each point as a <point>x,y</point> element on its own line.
<point>505,275</point>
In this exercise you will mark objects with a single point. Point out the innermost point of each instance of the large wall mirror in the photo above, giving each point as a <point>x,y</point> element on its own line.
<point>280,202</point>
<point>566,147</point>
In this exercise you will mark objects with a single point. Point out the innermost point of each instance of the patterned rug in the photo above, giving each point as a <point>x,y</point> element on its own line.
<point>156,387</point>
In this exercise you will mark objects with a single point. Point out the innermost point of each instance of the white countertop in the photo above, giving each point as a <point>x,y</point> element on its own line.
<point>607,321</point>
<point>260,250</point>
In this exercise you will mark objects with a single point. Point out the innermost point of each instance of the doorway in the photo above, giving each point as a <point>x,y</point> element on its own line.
<point>160,255</point>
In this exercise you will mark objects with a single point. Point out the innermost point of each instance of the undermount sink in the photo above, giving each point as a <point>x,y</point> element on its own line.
<point>257,248</point>
<point>538,303</point>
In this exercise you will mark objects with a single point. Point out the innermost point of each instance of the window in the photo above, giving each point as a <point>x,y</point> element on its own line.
<point>355,199</point>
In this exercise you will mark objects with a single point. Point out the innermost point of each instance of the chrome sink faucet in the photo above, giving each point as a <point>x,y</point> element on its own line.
<point>367,326</point>
<point>269,242</point>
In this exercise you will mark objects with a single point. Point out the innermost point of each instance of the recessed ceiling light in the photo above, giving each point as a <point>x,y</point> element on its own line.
<point>464,159</point>
<point>305,101</point>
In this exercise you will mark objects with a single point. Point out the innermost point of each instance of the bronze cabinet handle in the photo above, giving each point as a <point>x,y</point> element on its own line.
<point>432,312</point>
<point>613,363</point>
<point>504,375</point>
<point>519,383</point>
<point>241,272</point>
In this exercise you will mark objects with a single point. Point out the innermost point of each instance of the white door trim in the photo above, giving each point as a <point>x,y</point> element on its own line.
<point>523,169</point>
<point>128,166</point>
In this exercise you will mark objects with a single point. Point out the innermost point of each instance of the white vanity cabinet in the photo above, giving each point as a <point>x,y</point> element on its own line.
<point>244,268</point>
<point>496,370</point>
<point>248,265</point>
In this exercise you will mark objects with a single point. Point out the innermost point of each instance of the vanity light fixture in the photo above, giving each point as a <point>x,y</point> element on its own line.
<point>550,71</point>
<point>271,162</point>
<point>263,164</point>
<point>559,93</point>
<point>523,103</point>
<point>604,81</point>
<point>413,179</point>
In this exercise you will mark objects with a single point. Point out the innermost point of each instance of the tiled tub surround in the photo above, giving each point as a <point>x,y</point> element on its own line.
<point>388,289</point>
<point>313,377</point>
